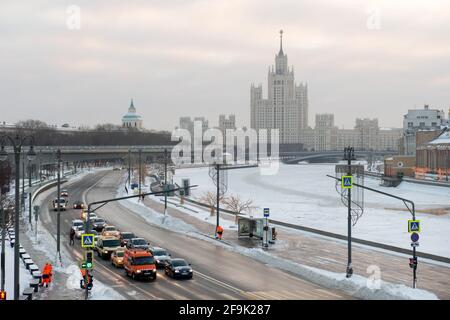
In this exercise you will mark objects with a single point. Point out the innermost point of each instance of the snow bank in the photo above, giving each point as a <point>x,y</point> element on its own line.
<point>99,290</point>
<point>357,286</point>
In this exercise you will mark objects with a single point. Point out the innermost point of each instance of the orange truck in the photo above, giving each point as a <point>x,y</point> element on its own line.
<point>139,264</point>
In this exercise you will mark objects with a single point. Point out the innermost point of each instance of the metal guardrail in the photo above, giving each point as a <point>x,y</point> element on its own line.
<point>340,237</point>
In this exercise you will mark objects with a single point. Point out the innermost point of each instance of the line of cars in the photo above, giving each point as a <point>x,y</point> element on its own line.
<point>135,255</point>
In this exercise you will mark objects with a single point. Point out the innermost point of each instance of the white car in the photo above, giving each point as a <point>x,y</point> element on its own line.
<point>79,231</point>
<point>77,223</point>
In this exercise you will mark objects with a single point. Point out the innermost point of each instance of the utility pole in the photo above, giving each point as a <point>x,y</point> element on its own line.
<point>165,181</point>
<point>218,197</point>
<point>140,172</point>
<point>129,168</point>
<point>23,183</point>
<point>29,193</point>
<point>3,240</point>
<point>58,217</point>
<point>349,155</point>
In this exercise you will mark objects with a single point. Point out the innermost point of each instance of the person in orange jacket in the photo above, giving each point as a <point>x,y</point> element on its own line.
<point>47,273</point>
<point>219,232</point>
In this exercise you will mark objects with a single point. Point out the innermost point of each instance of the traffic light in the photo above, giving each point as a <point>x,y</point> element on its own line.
<point>413,262</point>
<point>2,295</point>
<point>89,259</point>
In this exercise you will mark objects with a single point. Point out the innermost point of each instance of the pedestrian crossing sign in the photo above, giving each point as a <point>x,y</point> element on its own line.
<point>87,240</point>
<point>347,182</point>
<point>413,226</point>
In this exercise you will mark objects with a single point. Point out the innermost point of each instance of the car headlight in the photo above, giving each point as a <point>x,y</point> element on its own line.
<point>138,271</point>
<point>158,261</point>
<point>106,251</point>
<point>177,271</point>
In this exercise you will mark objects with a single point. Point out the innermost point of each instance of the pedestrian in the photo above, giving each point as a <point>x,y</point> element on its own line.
<point>219,232</point>
<point>72,237</point>
<point>47,274</point>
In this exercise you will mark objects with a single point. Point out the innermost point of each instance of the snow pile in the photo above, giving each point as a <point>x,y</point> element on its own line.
<point>99,290</point>
<point>357,286</point>
<point>24,278</point>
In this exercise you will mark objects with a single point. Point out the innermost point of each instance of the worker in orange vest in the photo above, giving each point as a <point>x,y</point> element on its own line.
<point>47,273</point>
<point>219,232</point>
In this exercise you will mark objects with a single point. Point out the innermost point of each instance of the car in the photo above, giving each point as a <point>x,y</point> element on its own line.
<point>77,223</point>
<point>106,245</point>
<point>138,243</point>
<point>79,231</point>
<point>111,231</point>
<point>161,256</point>
<point>178,268</point>
<point>62,204</point>
<point>117,258</point>
<point>139,264</point>
<point>78,205</point>
<point>92,215</point>
<point>64,193</point>
<point>125,237</point>
<point>98,224</point>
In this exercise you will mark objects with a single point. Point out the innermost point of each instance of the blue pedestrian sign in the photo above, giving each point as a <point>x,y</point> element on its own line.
<point>413,226</point>
<point>87,240</point>
<point>347,182</point>
<point>266,212</point>
<point>414,237</point>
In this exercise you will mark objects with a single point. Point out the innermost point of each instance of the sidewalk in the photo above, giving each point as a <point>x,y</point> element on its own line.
<point>328,254</point>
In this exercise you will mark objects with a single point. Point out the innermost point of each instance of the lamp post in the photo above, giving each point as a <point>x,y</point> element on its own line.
<point>58,206</point>
<point>349,155</point>
<point>29,192</point>
<point>17,143</point>
<point>140,172</point>
<point>165,181</point>
<point>129,168</point>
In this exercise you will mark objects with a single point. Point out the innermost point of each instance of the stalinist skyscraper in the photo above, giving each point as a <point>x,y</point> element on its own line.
<point>286,106</point>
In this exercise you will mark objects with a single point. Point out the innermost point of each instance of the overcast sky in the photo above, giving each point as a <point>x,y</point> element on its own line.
<point>198,58</point>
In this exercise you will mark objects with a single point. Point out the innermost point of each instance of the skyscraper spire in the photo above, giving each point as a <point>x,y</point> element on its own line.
<point>281,43</point>
<point>132,109</point>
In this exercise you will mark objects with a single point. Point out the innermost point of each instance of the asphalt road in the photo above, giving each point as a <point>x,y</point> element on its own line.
<point>218,273</point>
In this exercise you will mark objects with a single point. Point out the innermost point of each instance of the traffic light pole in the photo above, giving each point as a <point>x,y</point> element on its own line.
<point>217,199</point>
<point>2,281</point>
<point>411,209</point>
<point>349,155</point>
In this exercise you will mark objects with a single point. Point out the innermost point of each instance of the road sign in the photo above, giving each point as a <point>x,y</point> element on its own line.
<point>414,237</point>
<point>347,182</point>
<point>87,240</point>
<point>414,244</point>
<point>266,212</point>
<point>413,226</point>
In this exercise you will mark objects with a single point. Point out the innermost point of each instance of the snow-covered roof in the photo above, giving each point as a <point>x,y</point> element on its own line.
<point>444,138</point>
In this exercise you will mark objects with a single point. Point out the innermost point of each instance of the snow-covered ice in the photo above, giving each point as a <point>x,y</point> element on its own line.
<point>303,195</point>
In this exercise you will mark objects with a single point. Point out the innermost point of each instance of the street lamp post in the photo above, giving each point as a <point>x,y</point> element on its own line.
<point>58,206</point>
<point>165,181</point>
<point>140,172</point>
<point>17,143</point>
<point>29,192</point>
<point>349,155</point>
<point>129,168</point>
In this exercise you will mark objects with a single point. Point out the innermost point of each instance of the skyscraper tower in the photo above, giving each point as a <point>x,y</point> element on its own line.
<point>286,106</point>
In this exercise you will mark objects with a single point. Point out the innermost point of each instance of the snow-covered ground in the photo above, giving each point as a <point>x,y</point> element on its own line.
<point>24,277</point>
<point>302,194</point>
<point>46,243</point>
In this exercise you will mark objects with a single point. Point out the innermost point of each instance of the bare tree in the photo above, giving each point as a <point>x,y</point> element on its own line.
<point>236,204</point>
<point>210,198</point>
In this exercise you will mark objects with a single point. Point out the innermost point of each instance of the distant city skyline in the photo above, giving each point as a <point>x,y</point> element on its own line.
<point>360,59</point>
